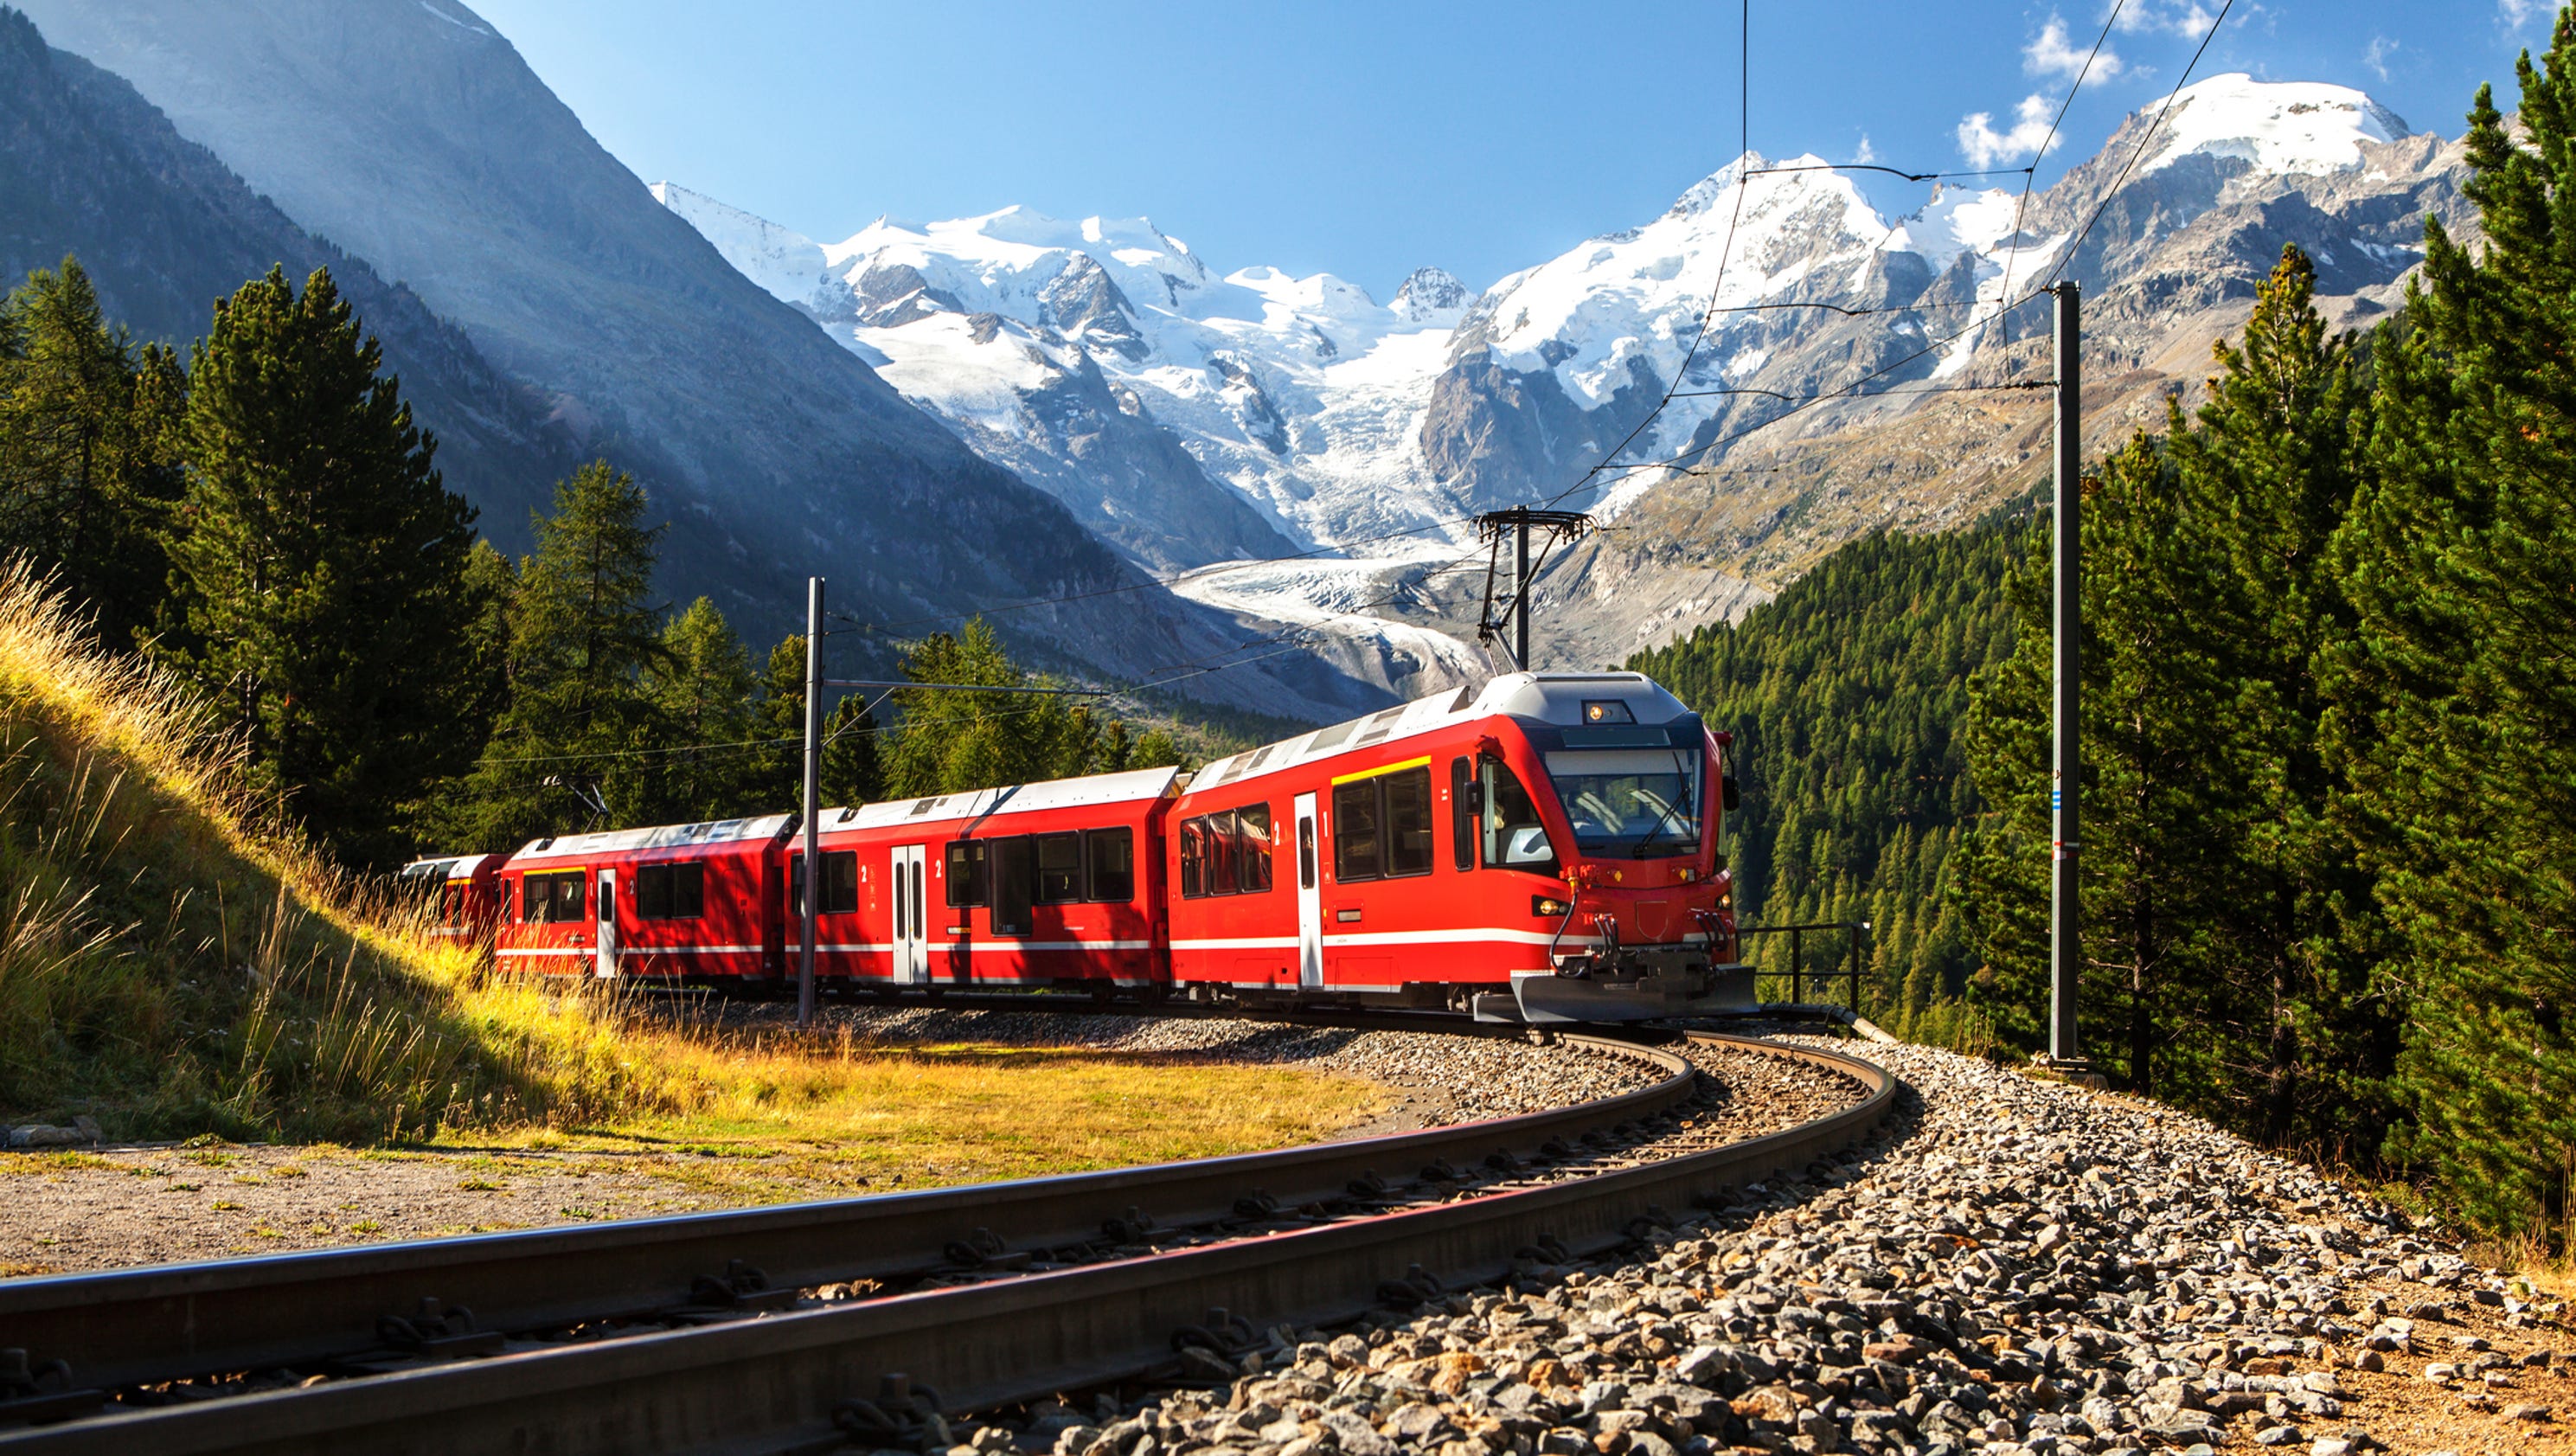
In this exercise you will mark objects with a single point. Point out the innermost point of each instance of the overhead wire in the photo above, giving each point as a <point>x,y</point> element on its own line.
<point>2003,291</point>
<point>2067,258</point>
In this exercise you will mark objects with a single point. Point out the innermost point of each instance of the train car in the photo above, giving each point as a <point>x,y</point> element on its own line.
<point>685,902</point>
<point>469,894</point>
<point>1036,885</point>
<point>1553,837</point>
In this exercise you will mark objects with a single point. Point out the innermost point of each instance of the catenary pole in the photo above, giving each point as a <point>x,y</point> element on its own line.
<point>2065,782</point>
<point>813,889</point>
<point>1520,600</point>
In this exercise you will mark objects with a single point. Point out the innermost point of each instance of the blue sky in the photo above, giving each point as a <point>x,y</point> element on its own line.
<point>1367,139</point>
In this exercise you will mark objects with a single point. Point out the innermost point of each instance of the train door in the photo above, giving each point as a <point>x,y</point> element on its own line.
<point>607,923</point>
<point>911,904</point>
<point>1310,899</point>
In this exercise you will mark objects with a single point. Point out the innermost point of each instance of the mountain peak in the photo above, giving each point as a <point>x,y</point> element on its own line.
<point>1429,293</point>
<point>2288,127</point>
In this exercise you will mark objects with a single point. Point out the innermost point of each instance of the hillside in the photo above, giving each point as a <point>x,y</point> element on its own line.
<point>172,963</point>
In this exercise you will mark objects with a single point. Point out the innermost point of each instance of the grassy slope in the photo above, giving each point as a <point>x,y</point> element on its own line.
<point>173,963</point>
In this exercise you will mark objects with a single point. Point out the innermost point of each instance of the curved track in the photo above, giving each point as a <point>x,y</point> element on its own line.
<point>1021,1289</point>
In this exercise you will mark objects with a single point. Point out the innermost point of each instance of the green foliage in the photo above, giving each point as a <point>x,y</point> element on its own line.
<point>2455,695</point>
<point>1844,695</point>
<point>318,592</point>
<point>947,742</point>
<point>572,749</point>
<point>88,450</point>
<point>2221,906</point>
<point>701,685</point>
<point>850,774</point>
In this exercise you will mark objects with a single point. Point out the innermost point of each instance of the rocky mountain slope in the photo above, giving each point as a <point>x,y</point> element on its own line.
<point>1380,429</point>
<point>89,169</point>
<point>414,137</point>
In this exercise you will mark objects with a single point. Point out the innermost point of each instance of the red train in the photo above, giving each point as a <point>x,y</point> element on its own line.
<point>1542,850</point>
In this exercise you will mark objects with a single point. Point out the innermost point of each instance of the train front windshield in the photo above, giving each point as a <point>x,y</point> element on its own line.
<point>1631,803</point>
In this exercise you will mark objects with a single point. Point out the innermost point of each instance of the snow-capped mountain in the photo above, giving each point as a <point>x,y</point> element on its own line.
<point>1378,429</point>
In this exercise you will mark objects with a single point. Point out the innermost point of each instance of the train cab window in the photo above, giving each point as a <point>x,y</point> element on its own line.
<point>965,873</point>
<point>1014,885</point>
<point>840,882</point>
<point>1252,848</point>
<point>671,891</point>
<point>1109,857</point>
<point>1059,869</point>
<point>1515,837</point>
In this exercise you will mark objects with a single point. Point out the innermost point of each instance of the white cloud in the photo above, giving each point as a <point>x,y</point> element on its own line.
<point>2181,17</point>
<point>2518,13</point>
<point>1867,153</point>
<point>2376,56</point>
<point>1985,147</point>
<point>2052,54</point>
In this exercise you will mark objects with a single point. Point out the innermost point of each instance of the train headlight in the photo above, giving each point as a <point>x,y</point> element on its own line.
<point>1548,905</point>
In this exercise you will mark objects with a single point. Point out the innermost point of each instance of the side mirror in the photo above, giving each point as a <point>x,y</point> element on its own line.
<point>1728,794</point>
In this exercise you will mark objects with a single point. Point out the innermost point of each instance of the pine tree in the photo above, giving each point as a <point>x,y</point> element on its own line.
<point>573,748</point>
<point>88,458</point>
<point>850,776</point>
<point>2455,704</point>
<point>2158,802</point>
<point>318,592</point>
<point>2269,467</point>
<point>702,685</point>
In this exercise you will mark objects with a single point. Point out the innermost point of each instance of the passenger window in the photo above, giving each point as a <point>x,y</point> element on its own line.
<point>1408,821</point>
<point>840,881</point>
<point>1223,854</point>
<point>1111,856</point>
<point>1515,838</point>
<point>1059,866</point>
<point>965,873</point>
<point>1013,885</point>
<point>1194,851</point>
<point>670,891</point>
<point>1356,853</point>
<point>1252,848</point>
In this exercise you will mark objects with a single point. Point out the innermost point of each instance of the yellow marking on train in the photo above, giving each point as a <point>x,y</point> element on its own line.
<point>1422,762</point>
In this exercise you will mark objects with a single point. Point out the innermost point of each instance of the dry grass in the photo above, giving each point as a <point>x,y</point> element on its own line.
<point>174,960</point>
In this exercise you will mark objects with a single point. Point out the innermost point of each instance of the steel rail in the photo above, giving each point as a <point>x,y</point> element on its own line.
<point>771,1384</point>
<point>178,1321</point>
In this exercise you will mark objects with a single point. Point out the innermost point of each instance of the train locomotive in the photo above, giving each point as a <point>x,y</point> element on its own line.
<point>1544,849</point>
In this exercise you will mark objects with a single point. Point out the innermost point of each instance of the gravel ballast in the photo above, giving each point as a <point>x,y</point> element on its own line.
<point>2013,1267</point>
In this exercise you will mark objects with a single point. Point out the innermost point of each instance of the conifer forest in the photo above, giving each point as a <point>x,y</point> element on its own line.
<point>2330,729</point>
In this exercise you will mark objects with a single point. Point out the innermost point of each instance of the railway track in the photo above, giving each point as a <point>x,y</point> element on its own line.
<point>721,1332</point>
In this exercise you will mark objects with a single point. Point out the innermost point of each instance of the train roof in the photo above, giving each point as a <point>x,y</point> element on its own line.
<point>445,867</point>
<point>667,836</point>
<point>1546,697</point>
<point>1090,791</point>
